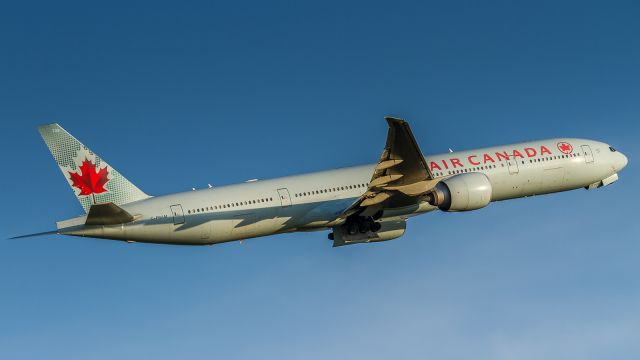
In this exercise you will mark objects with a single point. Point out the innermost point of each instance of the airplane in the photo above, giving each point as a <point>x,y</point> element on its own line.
<point>359,204</point>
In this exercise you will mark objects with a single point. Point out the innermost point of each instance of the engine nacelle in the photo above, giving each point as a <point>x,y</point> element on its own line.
<point>389,230</point>
<point>462,192</point>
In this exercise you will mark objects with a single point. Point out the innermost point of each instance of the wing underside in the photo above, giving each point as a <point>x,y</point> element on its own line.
<point>401,176</point>
<point>400,179</point>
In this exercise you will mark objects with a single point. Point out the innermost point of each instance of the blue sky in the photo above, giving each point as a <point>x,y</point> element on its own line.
<point>178,95</point>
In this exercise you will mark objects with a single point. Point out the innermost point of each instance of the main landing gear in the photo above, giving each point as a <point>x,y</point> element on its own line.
<point>362,225</point>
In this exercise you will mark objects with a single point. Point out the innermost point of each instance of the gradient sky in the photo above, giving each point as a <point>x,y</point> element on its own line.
<point>178,95</point>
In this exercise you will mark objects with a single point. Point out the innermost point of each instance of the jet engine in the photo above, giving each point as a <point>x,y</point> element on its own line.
<point>462,192</point>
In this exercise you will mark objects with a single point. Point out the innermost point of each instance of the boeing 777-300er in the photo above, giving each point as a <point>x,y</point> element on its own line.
<point>359,204</point>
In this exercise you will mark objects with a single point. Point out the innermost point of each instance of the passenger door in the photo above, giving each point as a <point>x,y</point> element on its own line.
<point>513,165</point>
<point>178,214</point>
<point>285,199</point>
<point>588,155</point>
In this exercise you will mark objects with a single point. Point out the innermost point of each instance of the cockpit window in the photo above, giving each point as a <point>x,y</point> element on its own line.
<point>612,149</point>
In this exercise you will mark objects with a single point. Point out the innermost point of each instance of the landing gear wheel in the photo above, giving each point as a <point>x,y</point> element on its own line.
<point>375,227</point>
<point>364,227</point>
<point>352,228</point>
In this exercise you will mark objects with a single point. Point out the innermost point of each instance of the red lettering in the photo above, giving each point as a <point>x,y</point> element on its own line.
<point>456,162</point>
<point>488,158</point>
<point>433,165</point>
<point>444,162</point>
<point>530,152</point>
<point>473,162</point>
<point>517,153</point>
<point>502,155</point>
<point>544,150</point>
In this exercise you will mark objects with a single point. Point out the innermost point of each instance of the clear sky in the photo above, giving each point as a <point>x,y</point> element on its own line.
<point>178,95</point>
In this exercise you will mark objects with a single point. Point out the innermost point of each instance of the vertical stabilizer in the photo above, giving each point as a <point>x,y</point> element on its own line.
<point>92,180</point>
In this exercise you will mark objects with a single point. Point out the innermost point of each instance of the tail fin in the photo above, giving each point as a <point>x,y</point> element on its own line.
<point>91,178</point>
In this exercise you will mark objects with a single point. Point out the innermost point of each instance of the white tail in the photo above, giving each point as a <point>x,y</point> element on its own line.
<point>91,178</point>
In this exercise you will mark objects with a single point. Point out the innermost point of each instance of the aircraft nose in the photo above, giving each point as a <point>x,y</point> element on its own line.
<point>625,161</point>
<point>621,161</point>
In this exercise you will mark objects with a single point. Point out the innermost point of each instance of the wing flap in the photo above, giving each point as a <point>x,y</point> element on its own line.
<point>383,180</point>
<point>415,189</point>
<point>382,165</point>
<point>375,200</point>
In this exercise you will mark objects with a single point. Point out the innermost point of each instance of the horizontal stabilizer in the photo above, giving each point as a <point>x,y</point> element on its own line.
<point>36,234</point>
<point>107,214</point>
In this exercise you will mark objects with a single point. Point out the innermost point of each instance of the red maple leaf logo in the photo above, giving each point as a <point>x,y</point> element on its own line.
<point>89,181</point>
<point>565,147</point>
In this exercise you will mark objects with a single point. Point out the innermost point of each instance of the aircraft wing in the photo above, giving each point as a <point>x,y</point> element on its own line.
<point>401,176</point>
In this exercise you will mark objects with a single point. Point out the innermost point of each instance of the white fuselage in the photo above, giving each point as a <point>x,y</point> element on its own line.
<point>315,201</point>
